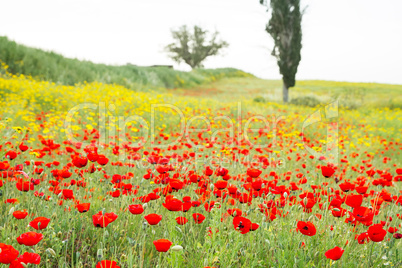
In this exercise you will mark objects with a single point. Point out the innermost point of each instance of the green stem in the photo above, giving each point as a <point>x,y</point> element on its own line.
<point>371,253</point>
<point>160,260</point>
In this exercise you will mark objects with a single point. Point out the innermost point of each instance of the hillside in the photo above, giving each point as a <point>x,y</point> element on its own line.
<point>226,84</point>
<point>54,67</point>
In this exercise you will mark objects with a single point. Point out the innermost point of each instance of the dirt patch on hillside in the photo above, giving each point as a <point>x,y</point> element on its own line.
<point>196,92</point>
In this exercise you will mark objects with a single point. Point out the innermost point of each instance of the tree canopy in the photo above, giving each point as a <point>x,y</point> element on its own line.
<point>284,27</point>
<point>194,47</point>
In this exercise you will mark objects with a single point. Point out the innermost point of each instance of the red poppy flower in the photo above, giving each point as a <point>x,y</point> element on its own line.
<point>221,172</point>
<point>221,185</point>
<point>173,204</point>
<point>245,198</point>
<point>103,220</point>
<point>8,253</point>
<point>80,162</point>
<point>376,233</point>
<point>65,173</point>
<point>209,205</point>
<point>198,218</point>
<point>363,214</point>
<point>24,186</point>
<point>107,264</point>
<point>235,212</point>
<point>136,209</point>
<point>29,239</point>
<point>23,147</point>
<point>83,207</point>
<point>254,226</point>
<point>39,223</point>
<point>68,194</point>
<point>181,220</point>
<point>335,253</point>
<point>241,224</point>
<point>93,157</point>
<point>158,160</point>
<point>115,194</point>
<point>102,160</point>
<point>392,230</point>
<point>186,206</point>
<point>208,171</point>
<point>307,204</point>
<point>29,258</point>
<point>176,184</point>
<point>253,172</point>
<point>11,155</point>
<point>195,204</point>
<point>346,186</point>
<point>153,219</point>
<point>306,228</point>
<point>162,245</point>
<point>11,201</point>
<point>354,201</point>
<point>338,212</point>
<point>21,214</point>
<point>363,238</point>
<point>361,189</point>
<point>327,171</point>
<point>397,236</point>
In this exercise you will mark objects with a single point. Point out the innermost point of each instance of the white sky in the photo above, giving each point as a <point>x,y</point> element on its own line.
<point>343,40</point>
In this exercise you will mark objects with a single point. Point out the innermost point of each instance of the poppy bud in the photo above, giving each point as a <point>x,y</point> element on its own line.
<point>177,248</point>
<point>99,254</point>
<point>11,211</point>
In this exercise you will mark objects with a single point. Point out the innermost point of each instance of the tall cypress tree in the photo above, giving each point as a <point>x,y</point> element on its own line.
<point>285,28</point>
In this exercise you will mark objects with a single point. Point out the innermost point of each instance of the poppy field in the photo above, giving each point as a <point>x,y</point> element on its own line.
<point>98,175</point>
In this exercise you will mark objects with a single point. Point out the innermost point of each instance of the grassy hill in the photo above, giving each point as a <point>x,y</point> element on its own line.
<point>54,67</point>
<point>305,93</point>
<point>226,84</point>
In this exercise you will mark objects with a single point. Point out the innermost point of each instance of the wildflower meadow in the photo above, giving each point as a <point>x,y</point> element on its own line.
<point>99,175</point>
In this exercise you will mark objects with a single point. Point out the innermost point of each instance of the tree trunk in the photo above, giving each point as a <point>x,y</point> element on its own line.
<point>285,93</point>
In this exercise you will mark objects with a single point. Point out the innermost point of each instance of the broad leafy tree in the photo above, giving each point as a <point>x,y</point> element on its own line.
<point>194,47</point>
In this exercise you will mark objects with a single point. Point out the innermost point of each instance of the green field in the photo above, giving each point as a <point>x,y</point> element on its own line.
<point>98,150</point>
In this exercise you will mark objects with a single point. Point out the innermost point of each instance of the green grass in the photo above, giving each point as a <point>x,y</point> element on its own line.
<point>54,67</point>
<point>350,95</point>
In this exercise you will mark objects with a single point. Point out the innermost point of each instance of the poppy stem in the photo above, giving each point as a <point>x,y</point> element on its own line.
<point>160,260</point>
<point>371,253</point>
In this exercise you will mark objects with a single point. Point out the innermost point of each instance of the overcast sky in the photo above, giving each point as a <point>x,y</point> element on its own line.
<point>343,40</point>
